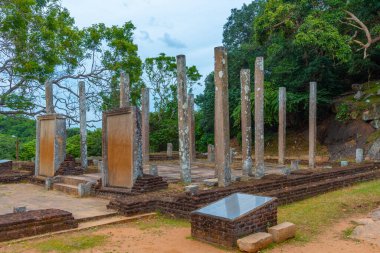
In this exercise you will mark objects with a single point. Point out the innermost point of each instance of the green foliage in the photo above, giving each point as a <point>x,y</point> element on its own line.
<point>28,150</point>
<point>73,145</point>
<point>7,147</point>
<point>94,143</point>
<point>162,132</point>
<point>22,127</point>
<point>343,112</point>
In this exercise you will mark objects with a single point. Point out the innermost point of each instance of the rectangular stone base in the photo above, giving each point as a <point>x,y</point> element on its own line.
<point>226,232</point>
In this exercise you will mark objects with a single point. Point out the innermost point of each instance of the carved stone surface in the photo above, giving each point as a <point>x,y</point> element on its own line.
<point>282,125</point>
<point>50,144</point>
<point>122,139</point>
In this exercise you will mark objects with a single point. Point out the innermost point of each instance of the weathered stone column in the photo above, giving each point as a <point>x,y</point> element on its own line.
<point>222,124</point>
<point>246,124</point>
<point>83,124</point>
<point>190,102</point>
<point>183,126</point>
<point>281,125</point>
<point>312,124</point>
<point>259,117</point>
<point>145,124</point>
<point>169,150</point>
<point>49,97</point>
<point>124,89</point>
<point>359,155</point>
<point>210,153</point>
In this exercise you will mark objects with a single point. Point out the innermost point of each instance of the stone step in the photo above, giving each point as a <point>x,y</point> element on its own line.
<point>66,188</point>
<point>74,181</point>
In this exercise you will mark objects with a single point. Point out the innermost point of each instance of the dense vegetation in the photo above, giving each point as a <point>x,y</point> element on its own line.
<point>301,41</point>
<point>333,42</point>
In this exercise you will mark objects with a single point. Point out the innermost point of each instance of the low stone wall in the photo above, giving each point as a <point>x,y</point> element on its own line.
<point>31,223</point>
<point>5,165</point>
<point>226,232</point>
<point>29,166</point>
<point>13,176</point>
<point>286,188</point>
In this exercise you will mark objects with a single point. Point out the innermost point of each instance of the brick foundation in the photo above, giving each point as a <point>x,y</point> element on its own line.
<point>286,188</point>
<point>31,223</point>
<point>13,176</point>
<point>226,232</point>
<point>68,167</point>
<point>5,165</point>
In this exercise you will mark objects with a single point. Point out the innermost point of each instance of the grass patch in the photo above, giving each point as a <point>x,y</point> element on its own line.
<point>71,243</point>
<point>162,221</point>
<point>314,214</point>
<point>348,232</point>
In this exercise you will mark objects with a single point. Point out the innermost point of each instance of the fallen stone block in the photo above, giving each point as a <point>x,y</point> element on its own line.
<point>364,221</point>
<point>282,232</point>
<point>255,242</point>
<point>210,182</point>
<point>192,189</point>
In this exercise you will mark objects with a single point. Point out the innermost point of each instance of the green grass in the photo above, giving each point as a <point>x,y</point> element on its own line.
<point>71,243</point>
<point>162,221</point>
<point>313,215</point>
<point>348,232</point>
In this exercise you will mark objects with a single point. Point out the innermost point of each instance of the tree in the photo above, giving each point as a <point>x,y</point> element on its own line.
<point>39,41</point>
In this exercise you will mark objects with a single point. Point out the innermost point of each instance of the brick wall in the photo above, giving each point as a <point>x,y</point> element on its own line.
<point>31,223</point>
<point>287,189</point>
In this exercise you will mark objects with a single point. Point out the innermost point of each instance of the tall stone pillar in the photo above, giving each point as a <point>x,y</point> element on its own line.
<point>145,124</point>
<point>312,124</point>
<point>259,117</point>
<point>183,126</point>
<point>83,124</point>
<point>281,125</point>
<point>246,124</point>
<point>49,97</point>
<point>190,102</point>
<point>222,124</point>
<point>124,89</point>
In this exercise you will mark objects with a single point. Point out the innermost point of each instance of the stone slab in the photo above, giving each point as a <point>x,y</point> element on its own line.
<point>255,242</point>
<point>282,232</point>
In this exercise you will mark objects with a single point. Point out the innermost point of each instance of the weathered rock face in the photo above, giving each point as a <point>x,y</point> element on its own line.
<point>368,229</point>
<point>343,139</point>
<point>374,151</point>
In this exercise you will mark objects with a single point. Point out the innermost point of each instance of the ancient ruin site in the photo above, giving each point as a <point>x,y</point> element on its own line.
<point>189,126</point>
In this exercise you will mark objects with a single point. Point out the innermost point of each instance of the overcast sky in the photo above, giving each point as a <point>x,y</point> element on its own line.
<point>190,27</point>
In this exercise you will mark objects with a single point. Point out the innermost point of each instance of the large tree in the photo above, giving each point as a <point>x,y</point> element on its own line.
<point>39,42</point>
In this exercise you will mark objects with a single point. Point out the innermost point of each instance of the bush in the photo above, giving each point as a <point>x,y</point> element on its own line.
<point>28,150</point>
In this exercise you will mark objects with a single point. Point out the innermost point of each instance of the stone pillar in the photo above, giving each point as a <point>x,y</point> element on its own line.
<point>259,117</point>
<point>222,124</point>
<point>124,89</point>
<point>169,150</point>
<point>312,124</point>
<point>359,155</point>
<point>145,124</point>
<point>191,123</point>
<point>246,124</point>
<point>281,125</point>
<point>210,153</point>
<point>49,97</point>
<point>183,125</point>
<point>83,125</point>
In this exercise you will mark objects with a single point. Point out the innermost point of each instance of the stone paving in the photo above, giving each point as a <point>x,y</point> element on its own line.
<point>368,229</point>
<point>36,197</point>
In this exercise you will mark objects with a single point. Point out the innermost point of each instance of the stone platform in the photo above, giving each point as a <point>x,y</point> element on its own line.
<point>35,197</point>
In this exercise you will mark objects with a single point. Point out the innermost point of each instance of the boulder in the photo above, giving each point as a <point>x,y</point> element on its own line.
<point>210,182</point>
<point>359,95</point>
<point>282,232</point>
<point>375,123</point>
<point>192,189</point>
<point>374,151</point>
<point>255,242</point>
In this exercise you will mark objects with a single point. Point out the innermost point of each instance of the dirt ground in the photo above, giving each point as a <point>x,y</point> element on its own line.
<point>137,238</point>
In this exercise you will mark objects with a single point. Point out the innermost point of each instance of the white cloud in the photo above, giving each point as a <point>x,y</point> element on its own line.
<point>190,27</point>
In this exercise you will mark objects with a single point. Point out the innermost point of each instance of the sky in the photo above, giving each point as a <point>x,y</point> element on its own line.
<point>190,27</point>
